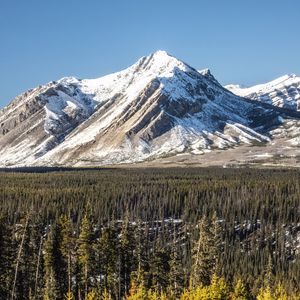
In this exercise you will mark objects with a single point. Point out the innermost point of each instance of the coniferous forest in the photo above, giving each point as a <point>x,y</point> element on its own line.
<point>181,233</point>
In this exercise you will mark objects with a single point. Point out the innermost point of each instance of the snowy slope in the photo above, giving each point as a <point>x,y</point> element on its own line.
<point>159,106</point>
<point>39,119</point>
<point>282,92</point>
<point>162,107</point>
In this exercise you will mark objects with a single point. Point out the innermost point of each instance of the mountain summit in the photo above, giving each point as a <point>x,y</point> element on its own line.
<point>158,107</point>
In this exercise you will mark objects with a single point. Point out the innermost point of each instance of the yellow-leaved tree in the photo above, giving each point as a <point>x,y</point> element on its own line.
<point>265,294</point>
<point>240,291</point>
<point>137,292</point>
<point>91,295</point>
<point>218,289</point>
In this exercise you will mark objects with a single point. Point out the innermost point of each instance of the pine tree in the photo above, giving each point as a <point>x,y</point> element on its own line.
<point>139,275</point>
<point>159,269</point>
<point>107,260</point>
<point>6,259</point>
<point>24,264</point>
<point>216,249</point>
<point>85,255</point>
<point>38,283</point>
<point>51,266</point>
<point>127,257</point>
<point>176,277</point>
<point>203,256</point>
<point>66,247</point>
<point>268,277</point>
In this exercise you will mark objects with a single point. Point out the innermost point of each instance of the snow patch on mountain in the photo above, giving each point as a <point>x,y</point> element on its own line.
<point>158,107</point>
<point>282,92</point>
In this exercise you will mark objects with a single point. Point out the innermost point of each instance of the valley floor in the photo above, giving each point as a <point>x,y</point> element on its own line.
<point>278,154</point>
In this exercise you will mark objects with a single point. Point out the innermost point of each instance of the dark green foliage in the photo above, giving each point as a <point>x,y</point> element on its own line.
<point>7,255</point>
<point>52,262</point>
<point>127,256</point>
<point>85,255</point>
<point>110,227</point>
<point>176,274</point>
<point>107,255</point>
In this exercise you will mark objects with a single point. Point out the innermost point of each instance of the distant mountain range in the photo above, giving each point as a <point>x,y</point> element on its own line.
<point>158,111</point>
<point>282,92</point>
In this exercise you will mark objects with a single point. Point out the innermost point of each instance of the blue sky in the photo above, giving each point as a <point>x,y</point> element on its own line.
<point>245,42</point>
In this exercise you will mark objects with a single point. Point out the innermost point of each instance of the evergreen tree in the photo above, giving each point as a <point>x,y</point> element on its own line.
<point>51,266</point>
<point>6,259</point>
<point>127,255</point>
<point>203,256</point>
<point>66,247</point>
<point>257,209</point>
<point>159,269</point>
<point>107,260</point>
<point>176,277</point>
<point>24,264</point>
<point>268,277</point>
<point>139,275</point>
<point>216,248</point>
<point>85,255</point>
<point>38,272</point>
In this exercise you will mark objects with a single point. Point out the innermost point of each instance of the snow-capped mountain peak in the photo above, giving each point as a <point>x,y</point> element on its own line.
<point>160,63</point>
<point>158,106</point>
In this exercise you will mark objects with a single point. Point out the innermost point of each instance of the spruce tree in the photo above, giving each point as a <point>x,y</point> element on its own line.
<point>176,275</point>
<point>203,255</point>
<point>51,266</point>
<point>160,266</point>
<point>24,265</point>
<point>85,255</point>
<point>6,258</point>
<point>127,258</point>
<point>142,267</point>
<point>216,249</point>
<point>107,260</point>
<point>67,250</point>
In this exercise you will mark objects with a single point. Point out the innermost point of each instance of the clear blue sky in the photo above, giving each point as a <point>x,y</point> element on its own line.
<point>245,42</point>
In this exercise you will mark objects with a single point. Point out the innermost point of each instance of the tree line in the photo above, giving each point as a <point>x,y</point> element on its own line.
<point>150,234</point>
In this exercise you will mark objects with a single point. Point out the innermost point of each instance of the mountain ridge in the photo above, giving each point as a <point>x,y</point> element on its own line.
<point>159,106</point>
<point>283,91</point>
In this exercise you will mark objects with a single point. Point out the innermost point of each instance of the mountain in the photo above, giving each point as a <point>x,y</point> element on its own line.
<point>158,108</point>
<point>282,92</point>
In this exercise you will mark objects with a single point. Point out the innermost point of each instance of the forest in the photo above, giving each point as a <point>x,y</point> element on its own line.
<point>165,233</point>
